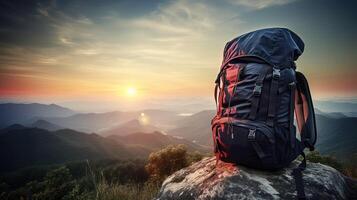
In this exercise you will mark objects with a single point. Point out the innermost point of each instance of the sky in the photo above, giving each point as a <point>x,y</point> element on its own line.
<point>130,54</point>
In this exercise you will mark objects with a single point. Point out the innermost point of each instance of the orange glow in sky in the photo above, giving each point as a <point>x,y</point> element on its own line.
<point>168,49</point>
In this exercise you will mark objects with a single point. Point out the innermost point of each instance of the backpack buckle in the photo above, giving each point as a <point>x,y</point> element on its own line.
<point>257,90</point>
<point>292,85</point>
<point>276,73</point>
<point>251,134</point>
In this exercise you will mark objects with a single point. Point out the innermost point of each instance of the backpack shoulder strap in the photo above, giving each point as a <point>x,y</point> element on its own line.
<point>306,112</point>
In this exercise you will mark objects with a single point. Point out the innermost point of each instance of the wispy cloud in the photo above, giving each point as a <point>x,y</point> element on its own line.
<point>260,4</point>
<point>168,48</point>
<point>164,48</point>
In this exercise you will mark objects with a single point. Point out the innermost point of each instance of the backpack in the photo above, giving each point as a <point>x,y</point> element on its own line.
<point>257,92</point>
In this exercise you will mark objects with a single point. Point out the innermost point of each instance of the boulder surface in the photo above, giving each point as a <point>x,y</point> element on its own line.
<point>208,180</point>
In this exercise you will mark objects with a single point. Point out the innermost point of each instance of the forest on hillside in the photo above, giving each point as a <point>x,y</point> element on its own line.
<point>135,179</point>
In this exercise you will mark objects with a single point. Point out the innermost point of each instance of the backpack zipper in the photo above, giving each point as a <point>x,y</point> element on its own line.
<point>252,126</point>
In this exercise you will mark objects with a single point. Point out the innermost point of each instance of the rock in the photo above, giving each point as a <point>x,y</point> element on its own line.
<point>205,180</point>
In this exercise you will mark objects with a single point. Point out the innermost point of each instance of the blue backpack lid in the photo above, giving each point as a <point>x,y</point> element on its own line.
<point>279,47</point>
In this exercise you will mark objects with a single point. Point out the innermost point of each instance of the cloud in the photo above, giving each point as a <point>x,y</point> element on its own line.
<point>168,47</point>
<point>260,4</point>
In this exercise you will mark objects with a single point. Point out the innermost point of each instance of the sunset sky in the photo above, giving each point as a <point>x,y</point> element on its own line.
<point>137,52</point>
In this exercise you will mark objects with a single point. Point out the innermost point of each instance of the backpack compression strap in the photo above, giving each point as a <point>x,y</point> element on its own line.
<point>257,93</point>
<point>273,98</point>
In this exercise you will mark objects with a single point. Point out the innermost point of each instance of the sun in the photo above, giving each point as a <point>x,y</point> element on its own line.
<point>131,91</point>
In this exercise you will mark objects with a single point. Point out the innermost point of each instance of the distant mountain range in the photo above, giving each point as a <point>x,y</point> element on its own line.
<point>101,122</point>
<point>129,127</point>
<point>29,114</point>
<point>12,113</point>
<point>92,122</point>
<point>22,147</point>
<point>42,124</point>
<point>336,106</point>
<point>337,136</point>
<point>196,127</point>
<point>335,115</point>
<point>52,134</point>
<point>156,140</point>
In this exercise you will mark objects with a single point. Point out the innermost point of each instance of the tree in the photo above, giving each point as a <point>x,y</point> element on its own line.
<point>166,161</point>
<point>58,183</point>
<point>194,157</point>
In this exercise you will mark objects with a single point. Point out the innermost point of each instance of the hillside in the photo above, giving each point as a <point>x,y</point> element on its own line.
<point>23,147</point>
<point>22,113</point>
<point>337,136</point>
<point>32,146</point>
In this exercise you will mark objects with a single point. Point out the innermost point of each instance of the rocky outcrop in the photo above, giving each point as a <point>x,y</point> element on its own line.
<point>206,180</point>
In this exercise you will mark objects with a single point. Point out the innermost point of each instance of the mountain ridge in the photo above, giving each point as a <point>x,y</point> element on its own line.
<point>25,146</point>
<point>22,113</point>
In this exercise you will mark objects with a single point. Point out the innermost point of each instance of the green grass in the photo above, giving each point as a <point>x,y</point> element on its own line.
<point>107,191</point>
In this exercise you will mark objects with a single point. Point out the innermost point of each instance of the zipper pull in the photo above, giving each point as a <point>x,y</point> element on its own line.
<point>232,135</point>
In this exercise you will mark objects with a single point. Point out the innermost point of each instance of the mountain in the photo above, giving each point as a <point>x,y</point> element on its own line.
<point>12,127</point>
<point>99,122</point>
<point>196,127</point>
<point>156,140</point>
<point>23,147</point>
<point>335,115</point>
<point>336,106</point>
<point>32,146</point>
<point>90,122</point>
<point>350,114</point>
<point>129,127</point>
<point>337,137</point>
<point>42,124</point>
<point>21,113</point>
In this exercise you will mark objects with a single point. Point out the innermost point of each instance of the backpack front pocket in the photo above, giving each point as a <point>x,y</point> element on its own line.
<point>249,143</point>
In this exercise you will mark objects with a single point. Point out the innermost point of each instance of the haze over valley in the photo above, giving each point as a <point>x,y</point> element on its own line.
<point>39,134</point>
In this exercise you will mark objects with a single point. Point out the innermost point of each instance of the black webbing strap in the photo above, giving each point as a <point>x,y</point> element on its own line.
<point>258,149</point>
<point>257,92</point>
<point>297,174</point>
<point>216,149</point>
<point>273,98</point>
<point>216,93</point>
<point>292,87</point>
<point>264,100</point>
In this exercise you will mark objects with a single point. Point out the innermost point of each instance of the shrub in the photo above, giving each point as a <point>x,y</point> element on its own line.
<point>315,157</point>
<point>166,161</point>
